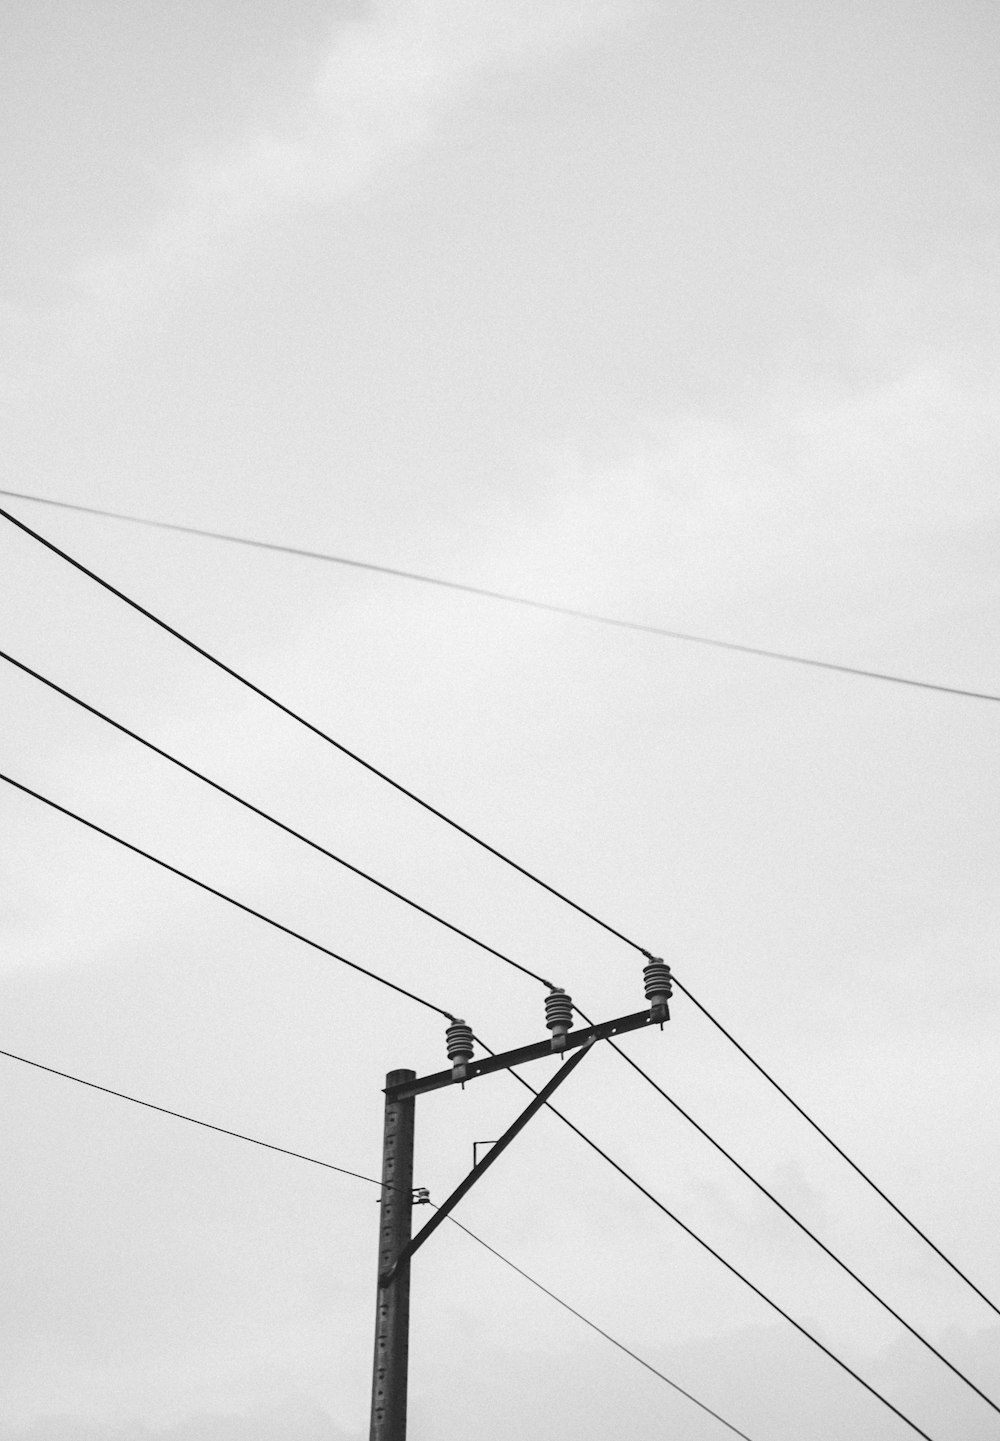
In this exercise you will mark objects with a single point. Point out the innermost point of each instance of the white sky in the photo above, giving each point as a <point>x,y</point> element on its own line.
<point>686,312</point>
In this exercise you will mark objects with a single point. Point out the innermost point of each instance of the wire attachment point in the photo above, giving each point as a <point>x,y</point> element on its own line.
<point>458,1040</point>
<point>558,1016</point>
<point>656,975</point>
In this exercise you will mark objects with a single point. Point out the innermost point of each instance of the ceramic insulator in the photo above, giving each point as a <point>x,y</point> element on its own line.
<point>656,976</point>
<point>458,1039</point>
<point>558,1012</point>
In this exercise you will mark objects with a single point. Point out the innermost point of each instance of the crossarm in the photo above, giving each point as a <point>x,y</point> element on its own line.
<point>470,1180</point>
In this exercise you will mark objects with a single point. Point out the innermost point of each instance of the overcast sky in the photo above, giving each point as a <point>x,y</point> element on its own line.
<point>685,312</point>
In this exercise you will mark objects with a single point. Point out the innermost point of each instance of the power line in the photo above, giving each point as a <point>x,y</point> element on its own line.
<point>492,850</point>
<point>622,1171</point>
<point>301,1156</point>
<point>273,820</point>
<point>839,1150</point>
<point>360,1176</point>
<point>301,720</point>
<point>805,1229</point>
<point>420,1001</point>
<point>222,896</point>
<point>594,1327</point>
<point>475,941</point>
<point>193,1120</point>
<point>577,613</point>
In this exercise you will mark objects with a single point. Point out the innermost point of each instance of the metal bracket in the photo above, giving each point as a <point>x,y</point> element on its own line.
<point>637,1021</point>
<point>442,1211</point>
<point>475,1149</point>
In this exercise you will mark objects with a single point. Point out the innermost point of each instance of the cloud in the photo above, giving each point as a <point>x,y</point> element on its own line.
<point>385,81</point>
<point>380,88</point>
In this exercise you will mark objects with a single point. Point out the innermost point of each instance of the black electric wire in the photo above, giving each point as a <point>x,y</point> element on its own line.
<point>222,896</point>
<point>475,941</point>
<point>360,1176</point>
<point>507,860</point>
<point>594,1327</point>
<point>91,825</point>
<point>301,720</point>
<point>273,820</point>
<point>804,1228</point>
<point>627,1175</point>
<point>831,1142</point>
<point>576,612</point>
<point>298,1155</point>
<point>194,1120</point>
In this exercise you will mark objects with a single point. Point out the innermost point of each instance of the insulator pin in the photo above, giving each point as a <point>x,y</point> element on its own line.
<point>458,1039</point>
<point>558,1016</point>
<point>656,975</point>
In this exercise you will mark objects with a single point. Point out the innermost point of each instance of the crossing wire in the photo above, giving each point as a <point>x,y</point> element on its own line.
<point>475,941</point>
<point>848,1271</point>
<point>507,860</point>
<point>565,1119</point>
<point>298,1155</point>
<point>300,719</point>
<point>360,1176</point>
<point>733,1270</point>
<point>509,598</point>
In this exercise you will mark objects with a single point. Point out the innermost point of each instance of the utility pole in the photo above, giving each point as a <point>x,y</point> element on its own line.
<point>396,1244</point>
<point>392,1314</point>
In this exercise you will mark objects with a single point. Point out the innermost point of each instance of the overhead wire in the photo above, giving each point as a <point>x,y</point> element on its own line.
<point>733,1270</point>
<point>300,719</point>
<point>193,1120</point>
<point>839,1149</point>
<point>232,795</point>
<point>594,1327</point>
<point>298,1155</point>
<point>806,1231</point>
<point>223,896</point>
<point>485,845</point>
<point>429,1005</point>
<point>271,819</point>
<point>510,598</point>
<point>360,1176</point>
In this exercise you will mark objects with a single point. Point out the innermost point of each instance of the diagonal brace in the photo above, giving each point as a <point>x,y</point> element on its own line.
<point>537,1102</point>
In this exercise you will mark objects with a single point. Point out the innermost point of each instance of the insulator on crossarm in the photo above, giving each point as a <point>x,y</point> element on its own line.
<point>656,975</point>
<point>458,1039</point>
<point>558,1016</point>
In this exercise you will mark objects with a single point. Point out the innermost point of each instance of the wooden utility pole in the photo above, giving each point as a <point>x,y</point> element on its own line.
<point>392,1314</point>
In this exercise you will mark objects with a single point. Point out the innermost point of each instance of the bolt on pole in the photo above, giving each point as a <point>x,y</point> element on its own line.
<point>392,1312</point>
